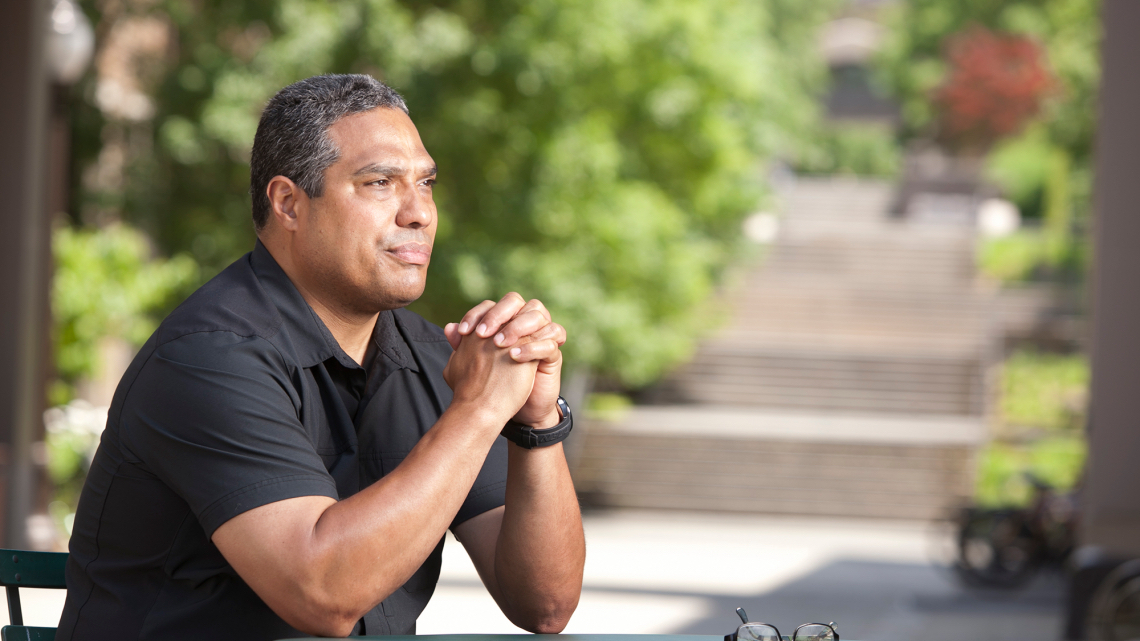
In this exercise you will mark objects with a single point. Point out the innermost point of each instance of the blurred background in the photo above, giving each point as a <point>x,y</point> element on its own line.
<point>825,267</point>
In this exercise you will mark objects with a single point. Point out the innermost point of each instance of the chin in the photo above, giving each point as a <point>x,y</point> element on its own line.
<point>397,297</point>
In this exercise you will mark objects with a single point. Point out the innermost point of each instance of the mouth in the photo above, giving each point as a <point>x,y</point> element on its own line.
<point>412,253</point>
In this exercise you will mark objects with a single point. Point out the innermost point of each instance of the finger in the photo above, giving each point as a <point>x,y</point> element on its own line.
<point>551,331</point>
<point>536,305</point>
<point>546,352</point>
<point>500,313</point>
<point>471,319</point>
<point>451,331</point>
<point>524,324</point>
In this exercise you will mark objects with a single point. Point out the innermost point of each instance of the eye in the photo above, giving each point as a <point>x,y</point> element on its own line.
<point>381,182</point>
<point>430,182</point>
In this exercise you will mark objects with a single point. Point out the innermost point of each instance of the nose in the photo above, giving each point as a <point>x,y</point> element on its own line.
<point>416,209</point>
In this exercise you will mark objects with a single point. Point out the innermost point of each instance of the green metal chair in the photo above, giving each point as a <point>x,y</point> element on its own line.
<point>25,569</point>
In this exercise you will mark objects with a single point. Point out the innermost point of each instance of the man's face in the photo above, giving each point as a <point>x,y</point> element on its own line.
<point>368,239</point>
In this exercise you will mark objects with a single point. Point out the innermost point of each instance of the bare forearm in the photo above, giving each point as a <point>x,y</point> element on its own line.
<point>375,540</point>
<point>541,549</point>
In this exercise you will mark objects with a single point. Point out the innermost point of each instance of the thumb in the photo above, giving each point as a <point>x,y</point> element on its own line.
<point>451,331</point>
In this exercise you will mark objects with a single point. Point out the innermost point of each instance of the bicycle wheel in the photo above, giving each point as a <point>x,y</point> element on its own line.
<point>996,549</point>
<point>1114,613</point>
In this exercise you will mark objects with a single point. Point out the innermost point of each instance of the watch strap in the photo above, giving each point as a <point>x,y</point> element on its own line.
<point>529,438</point>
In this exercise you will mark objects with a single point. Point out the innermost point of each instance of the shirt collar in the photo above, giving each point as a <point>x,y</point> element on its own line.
<point>390,342</point>
<point>311,338</point>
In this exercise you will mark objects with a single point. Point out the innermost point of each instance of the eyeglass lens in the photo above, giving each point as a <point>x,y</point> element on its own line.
<point>813,632</point>
<point>757,632</point>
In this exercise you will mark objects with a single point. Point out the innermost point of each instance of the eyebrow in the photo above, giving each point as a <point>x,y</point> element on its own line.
<point>389,170</point>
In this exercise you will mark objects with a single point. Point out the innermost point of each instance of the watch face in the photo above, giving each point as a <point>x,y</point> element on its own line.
<point>564,408</point>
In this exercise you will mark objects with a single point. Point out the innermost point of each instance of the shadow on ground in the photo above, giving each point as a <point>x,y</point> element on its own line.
<point>894,602</point>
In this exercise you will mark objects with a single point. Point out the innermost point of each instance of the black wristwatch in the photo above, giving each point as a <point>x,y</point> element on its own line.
<point>527,437</point>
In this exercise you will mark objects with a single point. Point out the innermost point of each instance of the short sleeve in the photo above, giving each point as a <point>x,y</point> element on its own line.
<point>215,416</point>
<point>490,488</point>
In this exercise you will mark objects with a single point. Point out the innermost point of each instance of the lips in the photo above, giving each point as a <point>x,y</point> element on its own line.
<point>412,253</point>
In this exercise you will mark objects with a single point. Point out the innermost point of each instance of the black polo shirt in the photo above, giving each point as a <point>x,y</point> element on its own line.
<point>242,397</point>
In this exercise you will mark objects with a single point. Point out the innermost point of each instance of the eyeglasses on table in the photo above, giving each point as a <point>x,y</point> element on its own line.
<point>756,631</point>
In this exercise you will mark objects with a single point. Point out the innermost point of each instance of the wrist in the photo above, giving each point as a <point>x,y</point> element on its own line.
<point>479,416</point>
<point>554,417</point>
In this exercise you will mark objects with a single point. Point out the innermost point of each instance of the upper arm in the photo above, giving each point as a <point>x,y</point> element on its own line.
<point>271,549</point>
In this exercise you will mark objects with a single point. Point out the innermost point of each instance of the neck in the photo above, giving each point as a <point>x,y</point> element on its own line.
<point>351,329</point>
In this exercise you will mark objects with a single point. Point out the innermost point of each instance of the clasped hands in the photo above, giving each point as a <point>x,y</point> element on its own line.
<point>507,360</point>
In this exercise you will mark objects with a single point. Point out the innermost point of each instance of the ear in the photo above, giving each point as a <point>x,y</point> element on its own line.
<point>287,201</point>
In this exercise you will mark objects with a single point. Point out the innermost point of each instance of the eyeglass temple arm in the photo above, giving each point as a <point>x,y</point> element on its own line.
<point>743,617</point>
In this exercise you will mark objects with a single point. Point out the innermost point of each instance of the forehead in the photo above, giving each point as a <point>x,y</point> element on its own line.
<point>380,135</point>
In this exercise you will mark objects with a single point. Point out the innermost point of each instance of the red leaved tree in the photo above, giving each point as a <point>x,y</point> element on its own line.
<point>995,84</point>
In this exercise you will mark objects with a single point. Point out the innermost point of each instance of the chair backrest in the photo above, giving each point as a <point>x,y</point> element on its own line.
<point>27,569</point>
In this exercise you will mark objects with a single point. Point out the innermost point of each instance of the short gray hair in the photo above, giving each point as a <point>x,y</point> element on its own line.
<point>292,137</point>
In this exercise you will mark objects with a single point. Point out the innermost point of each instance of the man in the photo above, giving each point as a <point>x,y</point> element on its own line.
<point>287,450</point>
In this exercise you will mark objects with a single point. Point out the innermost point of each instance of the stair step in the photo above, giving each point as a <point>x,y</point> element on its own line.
<point>666,459</point>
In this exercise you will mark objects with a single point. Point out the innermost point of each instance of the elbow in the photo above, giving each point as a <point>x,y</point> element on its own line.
<point>551,619</point>
<point>338,629</point>
<point>325,624</point>
<point>550,626</point>
<point>321,613</point>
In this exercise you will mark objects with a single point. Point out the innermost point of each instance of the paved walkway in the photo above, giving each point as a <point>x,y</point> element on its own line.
<point>675,572</point>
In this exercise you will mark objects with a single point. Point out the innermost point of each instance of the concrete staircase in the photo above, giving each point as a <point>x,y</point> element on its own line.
<point>851,380</point>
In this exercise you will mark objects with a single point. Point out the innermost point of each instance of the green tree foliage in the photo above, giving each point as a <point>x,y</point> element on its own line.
<point>107,285</point>
<point>1045,391</point>
<point>1042,416</point>
<point>1058,460</point>
<point>596,154</point>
